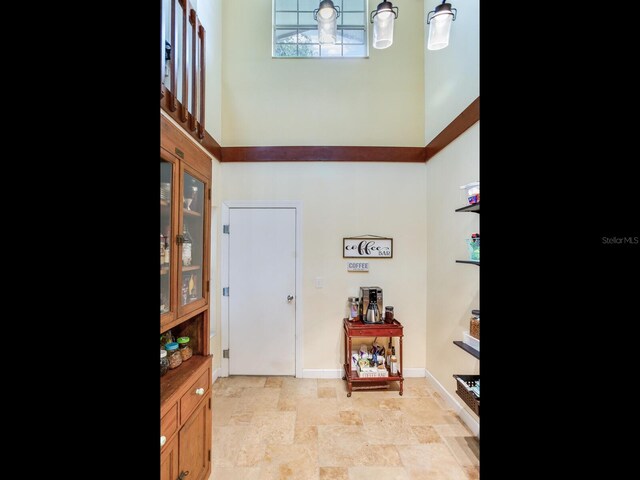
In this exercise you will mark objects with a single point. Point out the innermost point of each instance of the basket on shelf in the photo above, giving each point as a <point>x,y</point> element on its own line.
<point>368,372</point>
<point>464,383</point>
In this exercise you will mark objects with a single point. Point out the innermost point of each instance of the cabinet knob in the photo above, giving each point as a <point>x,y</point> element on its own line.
<point>163,440</point>
<point>199,391</point>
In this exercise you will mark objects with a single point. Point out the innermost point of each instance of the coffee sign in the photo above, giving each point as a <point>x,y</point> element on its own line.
<point>367,247</point>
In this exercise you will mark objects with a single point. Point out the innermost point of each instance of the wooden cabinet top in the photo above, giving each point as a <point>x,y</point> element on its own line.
<point>361,329</point>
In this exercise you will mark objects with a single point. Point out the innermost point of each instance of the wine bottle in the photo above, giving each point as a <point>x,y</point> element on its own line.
<point>186,247</point>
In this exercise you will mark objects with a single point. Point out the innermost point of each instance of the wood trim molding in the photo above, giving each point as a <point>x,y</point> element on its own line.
<point>459,125</point>
<point>208,142</point>
<point>323,154</point>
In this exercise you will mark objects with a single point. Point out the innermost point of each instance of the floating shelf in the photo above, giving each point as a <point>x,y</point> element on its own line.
<point>472,262</point>
<point>191,213</point>
<point>191,268</point>
<point>467,348</point>
<point>475,208</point>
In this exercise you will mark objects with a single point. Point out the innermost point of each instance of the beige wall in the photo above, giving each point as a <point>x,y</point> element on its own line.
<point>364,101</point>
<point>210,14</point>
<point>452,75</point>
<point>348,199</point>
<point>452,288</point>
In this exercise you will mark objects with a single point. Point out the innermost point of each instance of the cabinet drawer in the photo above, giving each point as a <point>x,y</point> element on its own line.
<point>196,392</point>
<point>169,422</point>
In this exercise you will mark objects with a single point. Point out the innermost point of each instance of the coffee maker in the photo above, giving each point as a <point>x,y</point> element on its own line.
<point>365,294</point>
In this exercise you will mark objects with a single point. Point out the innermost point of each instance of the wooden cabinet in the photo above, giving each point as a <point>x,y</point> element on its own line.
<point>195,442</point>
<point>185,391</point>
<point>169,461</point>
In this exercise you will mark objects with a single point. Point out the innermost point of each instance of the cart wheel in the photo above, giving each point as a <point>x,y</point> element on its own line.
<point>344,378</point>
<point>349,394</point>
<point>400,393</point>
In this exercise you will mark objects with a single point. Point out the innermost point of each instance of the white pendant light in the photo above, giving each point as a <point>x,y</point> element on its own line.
<point>383,18</point>
<point>440,25</point>
<point>327,17</point>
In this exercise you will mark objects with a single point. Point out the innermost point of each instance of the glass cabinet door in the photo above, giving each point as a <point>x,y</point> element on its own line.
<point>167,175</point>
<point>193,277</point>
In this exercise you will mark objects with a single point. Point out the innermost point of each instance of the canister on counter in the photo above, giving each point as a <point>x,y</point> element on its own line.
<point>388,314</point>
<point>173,354</point>
<point>353,308</point>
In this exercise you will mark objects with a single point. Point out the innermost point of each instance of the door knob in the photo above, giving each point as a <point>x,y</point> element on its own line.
<point>289,298</point>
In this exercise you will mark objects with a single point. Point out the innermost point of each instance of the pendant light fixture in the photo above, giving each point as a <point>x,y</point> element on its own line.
<point>327,17</point>
<point>382,19</point>
<point>440,25</point>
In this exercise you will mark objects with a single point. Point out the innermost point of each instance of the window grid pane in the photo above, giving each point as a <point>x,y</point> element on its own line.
<point>300,42</point>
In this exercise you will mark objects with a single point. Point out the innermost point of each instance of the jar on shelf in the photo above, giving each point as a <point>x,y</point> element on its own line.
<point>185,349</point>
<point>388,314</point>
<point>173,355</point>
<point>353,308</point>
<point>164,362</point>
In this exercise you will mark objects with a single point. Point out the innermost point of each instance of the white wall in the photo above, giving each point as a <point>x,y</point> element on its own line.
<point>375,101</point>
<point>348,199</point>
<point>452,288</point>
<point>452,75</point>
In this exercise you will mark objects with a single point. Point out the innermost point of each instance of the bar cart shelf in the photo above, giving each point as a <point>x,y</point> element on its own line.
<point>360,329</point>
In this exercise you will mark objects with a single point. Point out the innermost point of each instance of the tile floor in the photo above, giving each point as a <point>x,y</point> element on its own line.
<point>287,428</point>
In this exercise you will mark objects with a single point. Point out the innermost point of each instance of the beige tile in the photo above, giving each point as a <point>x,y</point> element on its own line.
<point>305,434</point>
<point>222,409</point>
<point>334,473</point>
<point>295,462</point>
<point>453,430</point>
<point>235,473</point>
<point>287,404</point>
<point>390,433</point>
<point>473,473</point>
<point>465,449</point>
<point>349,445</point>
<point>288,428</point>
<point>274,427</point>
<point>299,388</point>
<point>257,399</point>
<point>326,392</point>
<point>318,411</point>
<point>240,418</point>
<point>378,473</point>
<point>245,381</point>
<point>350,417</point>
<point>433,460</point>
<point>250,455</point>
<point>273,382</point>
<point>426,434</point>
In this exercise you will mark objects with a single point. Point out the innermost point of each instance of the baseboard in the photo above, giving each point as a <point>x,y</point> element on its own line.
<point>215,374</point>
<point>322,373</point>
<point>414,373</point>
<point>465,416</point>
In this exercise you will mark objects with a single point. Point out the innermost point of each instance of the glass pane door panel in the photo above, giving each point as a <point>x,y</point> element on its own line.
<point>166,188</point>
<point>193,209</point>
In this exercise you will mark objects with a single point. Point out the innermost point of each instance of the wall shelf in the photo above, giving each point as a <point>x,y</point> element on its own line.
<point>475,208</point>
<point>467,348</point>
<point>472,262</point>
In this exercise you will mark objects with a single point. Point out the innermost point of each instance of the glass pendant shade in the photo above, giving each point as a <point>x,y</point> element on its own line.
<point>440,26</point>
<point>327,18</point>
<point>383,19</point>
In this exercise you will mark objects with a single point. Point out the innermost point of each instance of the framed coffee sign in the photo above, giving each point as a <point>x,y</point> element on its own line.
<point>368,246</point>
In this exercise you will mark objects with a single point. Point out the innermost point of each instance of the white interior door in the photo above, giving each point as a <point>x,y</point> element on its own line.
<point>262,279</point>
